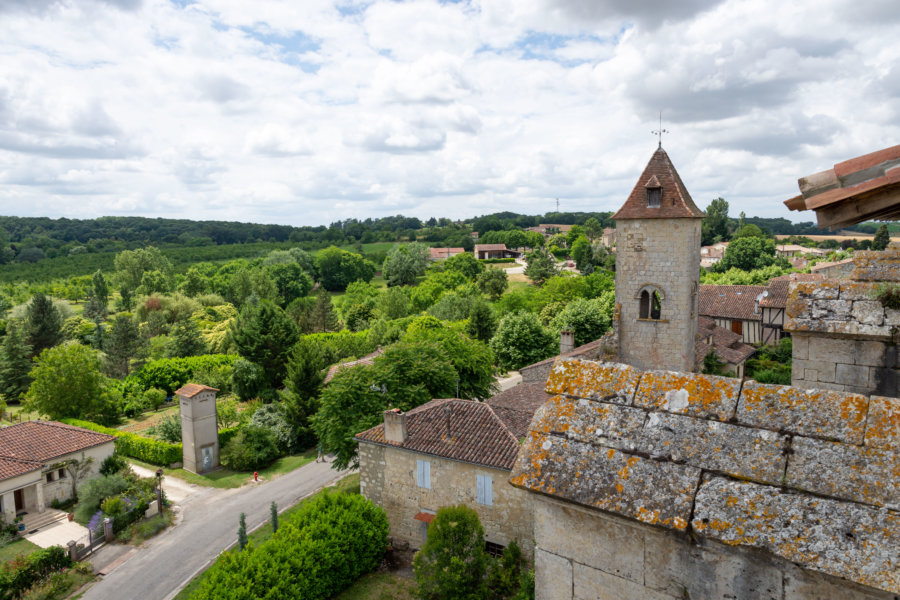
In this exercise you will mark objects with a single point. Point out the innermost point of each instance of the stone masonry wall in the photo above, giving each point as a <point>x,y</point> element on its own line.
<point>388,478</point>
<point>848,365</point>
<point>662,253</point>
<point>583,554</point>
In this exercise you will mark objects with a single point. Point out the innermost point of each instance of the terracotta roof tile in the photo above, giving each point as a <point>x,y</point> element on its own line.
<point>777,291</point>
<point>730,301</point>
<point>13,467</point>
<point>436,253</point>
<point>45,440</point>
<point>189,390</point>
<point>517,405</point>
<point>589,350</point>
<point>464,430</point>
<point>726,344</point>
<point>489,247</point>
<point>676,201</point>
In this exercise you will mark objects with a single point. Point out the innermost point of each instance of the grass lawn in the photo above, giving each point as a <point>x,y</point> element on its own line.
<point>380,586</point>
<point>518,281</point>
<point>347,485</point>
<point>226,478</point>
<point>14,549</point>
<point>145,421</point>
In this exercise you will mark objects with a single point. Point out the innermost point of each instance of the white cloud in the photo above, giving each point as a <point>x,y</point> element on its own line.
<point>309,112</point>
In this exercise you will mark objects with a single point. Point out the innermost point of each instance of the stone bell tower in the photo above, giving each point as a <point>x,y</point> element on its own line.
<point>199,433</point>
<point>658,270</point>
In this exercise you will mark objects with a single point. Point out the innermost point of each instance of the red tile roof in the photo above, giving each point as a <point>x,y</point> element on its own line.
<point>42,441</point>
<point>726,344</point>
<point>368,359</point>
<point>676,201</point>
<point>436,253</point>
<point>730,301</point>
<point>489,247</point>
<point>11,467</point>
<point>484,433</point>
<point>856,190</point>
<point>589,351</point>
<point>189,390</point>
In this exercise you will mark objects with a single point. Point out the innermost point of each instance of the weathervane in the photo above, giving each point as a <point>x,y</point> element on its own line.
<point>660,131</point>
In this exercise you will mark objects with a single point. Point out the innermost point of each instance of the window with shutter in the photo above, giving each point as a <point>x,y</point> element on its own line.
<point>423,474</point>
<point>484,492</point>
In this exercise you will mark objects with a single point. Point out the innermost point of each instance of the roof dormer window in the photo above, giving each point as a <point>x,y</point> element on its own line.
<point>654,193</point>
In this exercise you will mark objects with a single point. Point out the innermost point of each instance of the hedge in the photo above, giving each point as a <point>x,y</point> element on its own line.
<point>169,374</point>
<point>494,261</point>
<point>226,434</point>
<point>18,575</point>
<point>145,449</point>
<point>318,551</point>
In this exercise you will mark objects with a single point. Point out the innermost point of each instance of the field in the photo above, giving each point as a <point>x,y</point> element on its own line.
<point>840,237</point>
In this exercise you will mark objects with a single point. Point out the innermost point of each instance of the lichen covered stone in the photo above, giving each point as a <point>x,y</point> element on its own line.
<point>591,422</point>
<point>688,394</point>
<point>822,414</point>
<point>612,382</point>
<point>883,423</point>
<point>844,539</point>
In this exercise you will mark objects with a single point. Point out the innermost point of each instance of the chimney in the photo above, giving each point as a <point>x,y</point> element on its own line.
<point>566,341</point>
<point>395,426</point>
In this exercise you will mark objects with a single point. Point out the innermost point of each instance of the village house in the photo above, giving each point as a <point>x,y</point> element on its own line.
<point>838,269</point>
<point>773,303</point>
<point>368,359</point>
<point>549,229</point>
<point>608,238</point>
<point>33,460</point>
<point>443,253</point>
<point>449,452</point>
<point>725,344</point>
<point>710,255</point>
<point>794,250</point>
<point>734,307</point>
<point>485,251</point>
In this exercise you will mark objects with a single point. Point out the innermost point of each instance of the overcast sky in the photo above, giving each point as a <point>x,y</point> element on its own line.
<point>308,111</point>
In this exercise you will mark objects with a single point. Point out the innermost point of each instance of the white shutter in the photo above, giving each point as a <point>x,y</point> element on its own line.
<point>420,473</point>
<point>488,490</point>
<point>427,485</point>
<point>479,489</point>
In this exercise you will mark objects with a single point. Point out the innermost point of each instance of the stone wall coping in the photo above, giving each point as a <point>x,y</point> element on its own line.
<point>812,476</point>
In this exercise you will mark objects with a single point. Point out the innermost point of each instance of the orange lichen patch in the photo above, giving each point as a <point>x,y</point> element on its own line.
<point>587,379</point>
<point>814,413</point>
<point>821,290</point>
<point>883,423</point>
<point>796,307</point>
<point>591,421</point>
<point>688,393</point>
<point>855,290</point>
<point>857,473</point>
<point>843,539</point>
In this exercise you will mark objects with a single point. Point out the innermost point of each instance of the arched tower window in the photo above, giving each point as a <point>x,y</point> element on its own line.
<point>650,303</point>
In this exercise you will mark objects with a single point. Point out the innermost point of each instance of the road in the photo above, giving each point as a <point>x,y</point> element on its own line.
<point>160,568</point>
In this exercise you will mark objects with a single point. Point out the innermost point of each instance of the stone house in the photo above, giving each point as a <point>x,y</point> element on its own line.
<point>726,345</point>
<point>33,459</point>
<point>608,239</point>
<point>443,253</point>
<point>773,303</point>
<point>838,269</point>
<point>449,452</point>
<point>734,307</point>
<point>663,485</point>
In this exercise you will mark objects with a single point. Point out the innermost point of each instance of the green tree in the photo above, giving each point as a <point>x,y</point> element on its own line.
<point>593,228</point>
<point>43,324</point>
<point>493,282</point>
<point>882,238</point>
<point>273,516</point>
<point>715,225</point>
<point>540,266</point>
<point>132,264</point>
<point>100,288</point>
<point>403,266</point>
<point>242,531</point>
<point>6,252</point>
<point>291,280</point>
<point>248,380</point>
<point>265,335</point>
<point>15,364</point>
<point>749,230</point>
<point>301,389</point>
<point>452,562</point>
<point>419,365</point>
<point>521,340</point>
<point>482,323</point>
<point>338,268</point>
<point>582,253</point>
<point>589,319</point>
<point>323,317</point>
<point>574,233</point>
<point>154,282</point>
<point>393,303</point>
<point>185,340</point>
<point>747,254</point>
<point>195,283</point>
<point>123,343</point>
<point>67,383</point>
<point>465,263</point>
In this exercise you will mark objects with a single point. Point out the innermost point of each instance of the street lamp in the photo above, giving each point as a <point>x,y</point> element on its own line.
<point>159,504</point>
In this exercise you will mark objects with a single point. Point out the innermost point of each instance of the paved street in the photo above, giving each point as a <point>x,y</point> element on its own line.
<point>210,520</point>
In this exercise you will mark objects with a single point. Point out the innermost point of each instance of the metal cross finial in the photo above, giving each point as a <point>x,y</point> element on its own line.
<point>659,132</point>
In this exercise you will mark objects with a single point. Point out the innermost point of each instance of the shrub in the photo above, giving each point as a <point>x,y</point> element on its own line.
<point>452,563</point>
<point>247,379</point>
<point>168,429</point>
<point>17,576</point>
<point>93,492</point>
<point>225,435</point>
<point>317,552</point>
<point>135,446</point>
<point>154,398</point>
<point>252,448</point>
<point>112,464</point>
<point>169,374</point>
<point>113,506</point>
<point>271,417</point>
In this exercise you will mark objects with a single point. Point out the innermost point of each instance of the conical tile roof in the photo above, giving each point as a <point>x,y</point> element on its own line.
<point>676,201</point>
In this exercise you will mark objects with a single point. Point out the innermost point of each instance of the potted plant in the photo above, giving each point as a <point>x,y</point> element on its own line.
<point>19,524</point>
<point>70,515</point>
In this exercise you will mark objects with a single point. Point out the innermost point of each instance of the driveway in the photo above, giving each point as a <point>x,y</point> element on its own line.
<point>165,564</point>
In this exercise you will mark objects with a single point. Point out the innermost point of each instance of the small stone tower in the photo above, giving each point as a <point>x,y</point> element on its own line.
<point>199,434</point>
<point>658,270</point>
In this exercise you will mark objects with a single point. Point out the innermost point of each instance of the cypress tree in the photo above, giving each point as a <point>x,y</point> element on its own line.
<point>100,288</point>
<point>882,238</point>
<point>43,324</point>
<point>273,508</point>
<point>242,531</point>
<point>15,364</point>
<point>122,343</point>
